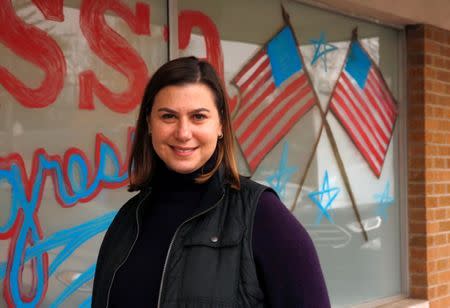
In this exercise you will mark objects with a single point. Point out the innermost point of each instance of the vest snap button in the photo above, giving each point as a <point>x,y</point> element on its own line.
<point>214,239</point>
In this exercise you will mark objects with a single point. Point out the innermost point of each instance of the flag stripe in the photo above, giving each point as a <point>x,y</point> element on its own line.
<point>351,117</point>
<point>257,73</point>
<point>249,95</point>
<point>385,119</point>
<point>295,85</point>
<point>356,98</point>
<point>368,140</point>
<point>374,100</point>
<point>348,104</point>
<point>254,162</point>
<point>279,116</point>
<point>378,81</point>
<point>249,67</point>
<point>373,162</point>
<point>243,121</point>
<point>272,123</point>
<point>373,108</point>
<point>382,95</point>
<point>241,116</point>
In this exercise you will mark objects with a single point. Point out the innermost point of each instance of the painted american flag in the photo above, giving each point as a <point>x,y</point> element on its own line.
<point>275,93</point>
<point>364,106</point>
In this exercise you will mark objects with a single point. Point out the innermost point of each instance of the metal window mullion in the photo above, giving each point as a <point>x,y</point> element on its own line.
<point>403,164</point>
<point>172,19</point>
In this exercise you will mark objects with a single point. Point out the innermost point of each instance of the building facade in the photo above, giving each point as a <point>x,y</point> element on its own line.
<point>350,127</point>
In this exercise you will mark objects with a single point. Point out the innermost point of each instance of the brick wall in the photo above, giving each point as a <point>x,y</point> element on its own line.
<point>428,88</point>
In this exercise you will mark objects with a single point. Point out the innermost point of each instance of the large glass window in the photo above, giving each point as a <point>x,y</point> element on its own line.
<point>72,76</point>
<point>315,154</point>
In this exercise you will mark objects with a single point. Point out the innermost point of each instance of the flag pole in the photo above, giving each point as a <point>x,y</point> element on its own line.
<point>330,136</point>
<point>338,156</point>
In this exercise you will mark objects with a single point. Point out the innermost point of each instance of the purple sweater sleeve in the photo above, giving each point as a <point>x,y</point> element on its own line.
<point>286,261</point>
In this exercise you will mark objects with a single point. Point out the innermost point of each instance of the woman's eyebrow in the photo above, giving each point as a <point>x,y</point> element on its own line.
<point>165,109</point>
<point>199,110</point>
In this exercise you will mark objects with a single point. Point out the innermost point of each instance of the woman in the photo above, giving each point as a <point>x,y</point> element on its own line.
<point>197,234</point>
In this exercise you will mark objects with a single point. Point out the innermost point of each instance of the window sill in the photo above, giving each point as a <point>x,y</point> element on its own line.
<point>396,302</point>
<point>407,303</point>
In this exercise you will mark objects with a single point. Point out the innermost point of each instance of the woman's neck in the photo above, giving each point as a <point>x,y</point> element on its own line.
<point>170,180</point>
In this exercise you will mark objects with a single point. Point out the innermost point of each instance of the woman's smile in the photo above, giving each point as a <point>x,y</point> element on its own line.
<point>183,151</point>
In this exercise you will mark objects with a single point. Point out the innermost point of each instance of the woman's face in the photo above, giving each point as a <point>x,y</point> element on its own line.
<point>185,125</point>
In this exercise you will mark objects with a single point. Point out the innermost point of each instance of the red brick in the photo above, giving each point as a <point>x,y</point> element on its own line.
<point>432,253</point>
<point>443,264</point>
<point>440,188</point>
<point>418,227</point>
<point>443,290</point>
<point>419,292</point>
<point>440,303</point>
<point>428,94</point>
<point>416,202</point>
<point>431,201</point>
<point>432,292</point>
<point>418,240</point>
<point>431,266</point>
<point>444,226</point>
<point>419,279</point>
<point>418,267</point>
<point>441,213</point>
<point>444,201</point>
<point>417,214</point>
<point>433,227</point>
<point>433,279</point>
<point>431,47</point>
<point>419,253</point>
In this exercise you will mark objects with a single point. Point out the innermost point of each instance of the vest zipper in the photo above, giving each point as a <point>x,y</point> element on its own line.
<point>129,251</point>
<point>172,241</point>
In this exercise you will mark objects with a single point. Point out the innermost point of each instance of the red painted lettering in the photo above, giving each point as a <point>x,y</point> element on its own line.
<point>36,46</point>
<point>52,10</point>
<point>115,51</point>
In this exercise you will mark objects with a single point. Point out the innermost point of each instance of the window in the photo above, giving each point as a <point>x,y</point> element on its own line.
<point>356,271</point>
<point>77,72</point>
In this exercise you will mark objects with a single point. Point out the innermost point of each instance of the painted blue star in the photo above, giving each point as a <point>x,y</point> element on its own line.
<point>283,174</point>
<point>324,198</point>
<point>322,47</point>
<point>384,201</point>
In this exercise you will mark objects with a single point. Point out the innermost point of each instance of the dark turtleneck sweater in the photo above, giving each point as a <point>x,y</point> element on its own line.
<point>286,261</point>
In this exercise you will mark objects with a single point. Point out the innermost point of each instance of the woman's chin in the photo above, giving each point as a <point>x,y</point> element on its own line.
<point>183,168</point>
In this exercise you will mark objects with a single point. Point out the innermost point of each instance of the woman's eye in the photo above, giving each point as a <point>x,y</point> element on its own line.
<point>199,116</point>
<point>167,116</point>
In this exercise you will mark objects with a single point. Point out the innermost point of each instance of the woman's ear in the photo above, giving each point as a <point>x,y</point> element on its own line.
<point>220,134</point>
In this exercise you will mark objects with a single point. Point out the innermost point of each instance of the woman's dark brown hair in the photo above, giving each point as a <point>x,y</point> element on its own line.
<point>178,72</point>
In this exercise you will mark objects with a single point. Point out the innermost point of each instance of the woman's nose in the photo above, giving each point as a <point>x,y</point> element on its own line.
<point>183,130</point>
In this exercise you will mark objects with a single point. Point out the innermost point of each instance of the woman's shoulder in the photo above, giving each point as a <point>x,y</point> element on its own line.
<point>128,209</point>
<point>274,217</point>
<point>131,203</point>
<point>247,184</point>
<point>125,217</point>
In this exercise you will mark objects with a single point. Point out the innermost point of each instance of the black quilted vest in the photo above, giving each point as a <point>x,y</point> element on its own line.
<point>210,260</point>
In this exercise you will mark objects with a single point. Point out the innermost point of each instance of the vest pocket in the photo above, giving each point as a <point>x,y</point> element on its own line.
<point>211,265</point>
<point>214,240</point>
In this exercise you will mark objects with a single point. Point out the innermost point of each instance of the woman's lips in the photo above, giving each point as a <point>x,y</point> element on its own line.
<point>183,151</point>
